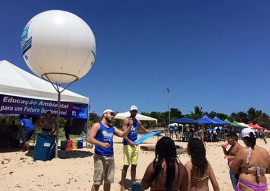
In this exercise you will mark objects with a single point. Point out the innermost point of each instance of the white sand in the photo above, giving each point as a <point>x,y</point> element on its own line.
<point>73,170</point>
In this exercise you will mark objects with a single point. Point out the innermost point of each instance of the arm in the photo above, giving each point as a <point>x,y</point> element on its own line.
<point>91,138</point>
<point>268,168</point>
<point>237,161</point>
<point>188,167</point>
<point>147,177</point>
<point>224,150</point>
<point>126,129</point>
<point>213,178</point>
<point>184,179</point>
<point>143,129</point>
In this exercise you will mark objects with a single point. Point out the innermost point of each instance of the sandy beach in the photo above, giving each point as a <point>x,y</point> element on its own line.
<point>73,170</point>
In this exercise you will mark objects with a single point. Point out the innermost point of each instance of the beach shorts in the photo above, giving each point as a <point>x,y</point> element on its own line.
<point>104,168</point>
<point>27,134</point>
<point>131,155</point>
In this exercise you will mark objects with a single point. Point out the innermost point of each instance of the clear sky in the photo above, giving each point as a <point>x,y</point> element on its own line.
<point>210,53</point>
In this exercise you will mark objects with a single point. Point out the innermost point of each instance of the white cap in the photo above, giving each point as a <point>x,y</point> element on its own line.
<point>133,107</point>
<point>109,111</point>
<point>246,131</point>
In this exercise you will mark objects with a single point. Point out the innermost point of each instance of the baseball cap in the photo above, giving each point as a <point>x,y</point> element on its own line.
<point>109,111</point>
<point>246,131</point>
<point>133,107</point>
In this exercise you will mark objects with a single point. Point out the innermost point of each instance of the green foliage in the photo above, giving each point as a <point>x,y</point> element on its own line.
<point>198,113</point>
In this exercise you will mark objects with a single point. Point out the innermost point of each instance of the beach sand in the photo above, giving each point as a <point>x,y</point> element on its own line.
<point>73,170</point>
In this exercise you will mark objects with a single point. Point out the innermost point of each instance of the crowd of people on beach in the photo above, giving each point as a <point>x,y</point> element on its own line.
<point>248,165</point>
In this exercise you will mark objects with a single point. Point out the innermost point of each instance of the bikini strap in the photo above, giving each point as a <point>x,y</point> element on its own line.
<point>258,173</point>
<point>249,154</point>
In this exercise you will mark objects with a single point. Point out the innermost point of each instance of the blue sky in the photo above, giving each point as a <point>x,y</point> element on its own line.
<point>214,54</point>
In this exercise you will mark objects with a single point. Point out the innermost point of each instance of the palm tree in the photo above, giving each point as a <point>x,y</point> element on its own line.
<point>198,113</point>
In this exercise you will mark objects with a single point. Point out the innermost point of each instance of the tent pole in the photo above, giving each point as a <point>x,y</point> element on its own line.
<point>57,88</point>
<point>57,128</point>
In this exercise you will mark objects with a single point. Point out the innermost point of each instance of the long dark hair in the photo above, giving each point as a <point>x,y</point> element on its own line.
<point>166,151</point>
<point>197,152</point>
<point>251,140</point>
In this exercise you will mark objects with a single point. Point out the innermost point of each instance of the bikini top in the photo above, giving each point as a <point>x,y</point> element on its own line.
<point>198,179</point>
<point>259,171</point>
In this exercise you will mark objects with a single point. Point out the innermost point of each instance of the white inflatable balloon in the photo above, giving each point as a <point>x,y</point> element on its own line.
<point>58,46</point>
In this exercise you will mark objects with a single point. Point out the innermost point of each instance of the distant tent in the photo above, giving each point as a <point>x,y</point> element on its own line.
<point>235,124</point>
<point>219,121</point>
<point>206,120</point>
<point>138,116</point>
<point>184,120</point>
<point>228,123</point>
<point>244,125</point>
<point>258,126</point>
<point>252,126</point>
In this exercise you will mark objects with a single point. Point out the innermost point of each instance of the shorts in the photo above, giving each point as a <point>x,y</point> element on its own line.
<point>104,168</point>
<point>131,155</point>
<point>27,134</point>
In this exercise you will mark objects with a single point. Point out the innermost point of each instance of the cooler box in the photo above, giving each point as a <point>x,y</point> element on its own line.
<point>75,144</point>
<point>80,144</point>
<point>63,144</point>
<point>69,145</point>
<point>44,147</point>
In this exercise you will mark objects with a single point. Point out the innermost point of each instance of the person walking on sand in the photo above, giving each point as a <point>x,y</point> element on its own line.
<point>265,133</point>
<point>131,151</point>
<point>251,163</point>
<point>232,139</point>
<point>198,168</point>
<point>101,135</point>
<point>28,130</point>
<point>166,172</point>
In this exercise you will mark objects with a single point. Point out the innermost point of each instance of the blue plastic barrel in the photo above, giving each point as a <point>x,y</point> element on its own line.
<point>80,144</point>
<point>43,146</point>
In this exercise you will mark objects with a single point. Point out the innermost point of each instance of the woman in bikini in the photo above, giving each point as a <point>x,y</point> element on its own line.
<point>251,163</point>
<point>166,172</point>
<point>199,169</point>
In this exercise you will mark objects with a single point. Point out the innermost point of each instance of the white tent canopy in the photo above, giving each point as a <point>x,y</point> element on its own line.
<point>17,82</point>
<point>243,124</point>
<point>138,116</point>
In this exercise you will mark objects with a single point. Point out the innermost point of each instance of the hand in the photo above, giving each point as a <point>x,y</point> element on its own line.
<point>131,144</point>
<point>106,145</point>
<point>223,146</point>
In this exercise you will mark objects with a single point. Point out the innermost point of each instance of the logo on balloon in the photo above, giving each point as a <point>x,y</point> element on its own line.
<point>26,42</point>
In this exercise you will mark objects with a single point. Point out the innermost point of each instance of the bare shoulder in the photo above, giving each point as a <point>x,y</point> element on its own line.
<point>188,165</point>
<point>264,152</point>
<point>95,126</point>
<point>183,169</point>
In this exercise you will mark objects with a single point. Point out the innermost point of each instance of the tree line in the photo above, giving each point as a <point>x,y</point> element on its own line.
<point>252,115</point>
